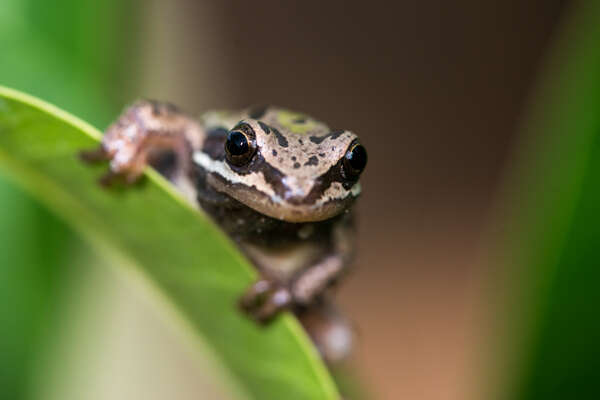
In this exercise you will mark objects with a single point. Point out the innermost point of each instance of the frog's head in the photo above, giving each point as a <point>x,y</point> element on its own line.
<point>285,165</point>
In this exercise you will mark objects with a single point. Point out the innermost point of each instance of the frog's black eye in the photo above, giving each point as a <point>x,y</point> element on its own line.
<point>355,161</point>
<point>237,143</point>
<point>239,147</point>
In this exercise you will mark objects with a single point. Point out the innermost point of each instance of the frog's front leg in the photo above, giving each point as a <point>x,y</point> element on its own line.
<point>266,298</point>
<point>144,132</point>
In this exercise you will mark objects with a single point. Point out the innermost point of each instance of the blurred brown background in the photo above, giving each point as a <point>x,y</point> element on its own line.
<point>435,90</point>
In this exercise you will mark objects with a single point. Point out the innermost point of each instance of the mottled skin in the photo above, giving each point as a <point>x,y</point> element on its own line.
<point>285,201</point>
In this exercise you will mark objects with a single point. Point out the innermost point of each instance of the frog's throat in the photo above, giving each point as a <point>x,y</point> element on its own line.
<point>278,208</point>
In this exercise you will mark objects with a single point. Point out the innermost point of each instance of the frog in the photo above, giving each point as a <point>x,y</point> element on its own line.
<point>279,183</point>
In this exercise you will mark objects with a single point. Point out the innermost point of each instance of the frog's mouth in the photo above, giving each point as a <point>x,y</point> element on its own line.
<point>332,202</point>
<point>288,198</point>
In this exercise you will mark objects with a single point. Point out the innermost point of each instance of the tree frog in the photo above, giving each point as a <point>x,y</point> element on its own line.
<point>281,184</point>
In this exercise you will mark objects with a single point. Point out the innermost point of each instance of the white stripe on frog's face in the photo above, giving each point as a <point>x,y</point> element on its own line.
<point>336,191</point>
<point>254,180</point>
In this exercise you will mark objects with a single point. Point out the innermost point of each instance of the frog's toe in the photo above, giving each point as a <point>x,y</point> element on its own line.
<point>277,301</point>
<point>126,170</point>
<point>93,156</point>
<point>264,300</point>
<point>108,179</point>
<point>255,294</point>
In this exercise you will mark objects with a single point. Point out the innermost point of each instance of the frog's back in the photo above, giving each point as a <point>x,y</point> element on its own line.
<point>284,120</point>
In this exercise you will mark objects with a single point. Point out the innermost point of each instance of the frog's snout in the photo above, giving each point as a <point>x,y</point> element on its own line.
<point>297,190</point>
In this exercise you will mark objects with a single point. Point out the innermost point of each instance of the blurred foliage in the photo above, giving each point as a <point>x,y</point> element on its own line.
<point>77,55</point>
<point>32,268</point>
<point>554,225</point>
<point>65,52</point>
<point>151,230</point>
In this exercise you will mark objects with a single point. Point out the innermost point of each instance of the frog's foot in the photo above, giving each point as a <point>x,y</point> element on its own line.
<point>143,134</point>
<point>127,175</point>
<point>93,156</point>
<point>125,146</point>
<point>265,299</point>
<point>331,333</point>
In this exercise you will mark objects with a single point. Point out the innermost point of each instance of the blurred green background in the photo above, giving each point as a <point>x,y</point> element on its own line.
<point>477,271</point>
<point>63,53</point>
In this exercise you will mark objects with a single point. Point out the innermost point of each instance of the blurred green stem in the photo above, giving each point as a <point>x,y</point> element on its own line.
<point>552,226</point>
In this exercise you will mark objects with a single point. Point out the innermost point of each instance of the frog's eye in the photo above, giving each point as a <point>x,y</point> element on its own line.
<point>239,147</point>
<point>355,160</point>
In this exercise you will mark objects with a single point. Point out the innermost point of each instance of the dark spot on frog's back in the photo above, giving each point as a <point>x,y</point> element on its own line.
<point>280,138</point>
<point>312,161</point>
<point>258,112</point>
<point>299,121</point>
<point>264,127</point>
<point>332,135</point>
<point>296,165</point>
<point>293,158</point>
<point>274,153</point>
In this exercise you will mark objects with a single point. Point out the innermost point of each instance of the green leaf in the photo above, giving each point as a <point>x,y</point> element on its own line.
<point>166,242</point>
<point>552,251</point>
<point>65,54</point>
